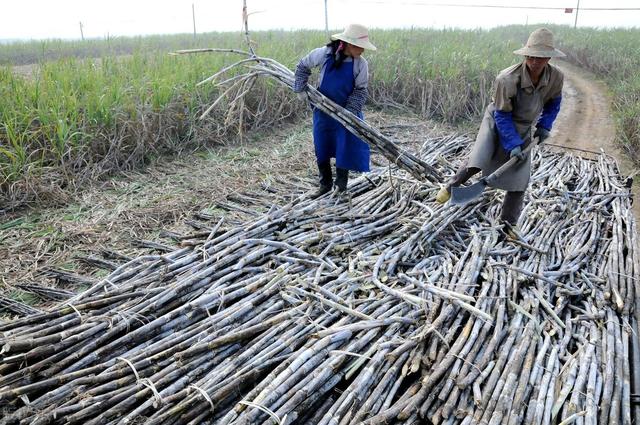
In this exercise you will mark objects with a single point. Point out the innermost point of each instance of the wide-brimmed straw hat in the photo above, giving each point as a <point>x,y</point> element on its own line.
<point>355,34</point>
<point>540,45</point>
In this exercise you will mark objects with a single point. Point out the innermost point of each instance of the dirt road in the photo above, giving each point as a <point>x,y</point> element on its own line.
<point>585,117</point>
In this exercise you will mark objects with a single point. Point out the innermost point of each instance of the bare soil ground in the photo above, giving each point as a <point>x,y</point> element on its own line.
<point>585,118</point>
<point>113,214</point>
<point>26,71</point>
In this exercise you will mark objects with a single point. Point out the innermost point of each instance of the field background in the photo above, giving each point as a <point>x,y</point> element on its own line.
<point>73,112</point>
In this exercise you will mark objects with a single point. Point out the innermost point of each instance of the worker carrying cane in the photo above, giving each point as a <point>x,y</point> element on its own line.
<point>526,100</point>
<point>344,78</point>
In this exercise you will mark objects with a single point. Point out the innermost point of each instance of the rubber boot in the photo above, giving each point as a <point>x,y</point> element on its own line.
<point>342,177</point>
<point>511,230</point>
<point>512,207</point>
<point>326,178</point>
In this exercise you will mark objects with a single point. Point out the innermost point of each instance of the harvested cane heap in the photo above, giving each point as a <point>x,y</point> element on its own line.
<point>385,309</point>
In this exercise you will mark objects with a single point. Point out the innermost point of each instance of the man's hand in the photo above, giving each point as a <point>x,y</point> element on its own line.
<point>302,95</point>
<point>542,134</point>
<point>517,152</point>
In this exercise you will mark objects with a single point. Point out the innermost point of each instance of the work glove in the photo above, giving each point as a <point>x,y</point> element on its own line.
<point>542,134</point>
<point>443,195</point>
<point>302,95</point>
<point>517,152</point>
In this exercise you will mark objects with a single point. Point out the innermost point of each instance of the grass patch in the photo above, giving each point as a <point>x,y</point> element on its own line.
<point>23,297</point>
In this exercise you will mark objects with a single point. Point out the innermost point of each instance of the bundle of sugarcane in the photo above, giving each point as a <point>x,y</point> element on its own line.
<point>387,308</point>
<point>239,85</point>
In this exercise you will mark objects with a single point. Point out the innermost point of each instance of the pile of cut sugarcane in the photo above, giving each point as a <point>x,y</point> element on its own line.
<point>383,308</point>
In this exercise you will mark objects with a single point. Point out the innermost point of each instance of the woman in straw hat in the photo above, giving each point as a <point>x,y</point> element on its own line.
<point>344,76</point>
<point>526,101</point>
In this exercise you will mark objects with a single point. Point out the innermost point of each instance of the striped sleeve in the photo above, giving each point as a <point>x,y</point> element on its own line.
<point>303,70</point>
<point>356,100</point>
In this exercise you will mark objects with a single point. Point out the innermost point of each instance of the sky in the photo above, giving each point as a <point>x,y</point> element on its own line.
<point>43,19</point>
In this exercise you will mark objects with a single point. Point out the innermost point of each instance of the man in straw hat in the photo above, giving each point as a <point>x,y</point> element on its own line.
<point>526,101</point>
<point>344,77</point>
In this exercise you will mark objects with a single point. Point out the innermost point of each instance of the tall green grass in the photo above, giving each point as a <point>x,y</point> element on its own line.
<point>96,107</point>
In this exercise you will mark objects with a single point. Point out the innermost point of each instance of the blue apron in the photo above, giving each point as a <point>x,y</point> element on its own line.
<point>330,138</point>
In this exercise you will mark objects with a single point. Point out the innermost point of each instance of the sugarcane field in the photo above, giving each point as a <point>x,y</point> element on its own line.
<point>366,225</point>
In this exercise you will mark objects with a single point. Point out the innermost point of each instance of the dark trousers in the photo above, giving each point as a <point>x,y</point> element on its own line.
<point>326,176</point>
<point>513,201</point>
